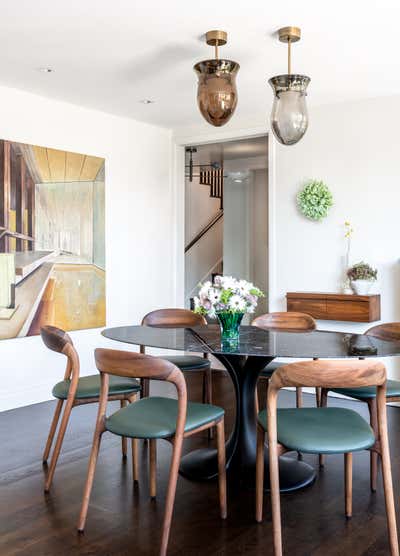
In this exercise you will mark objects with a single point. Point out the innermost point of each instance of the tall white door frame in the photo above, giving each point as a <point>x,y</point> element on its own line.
<point>178,216</point>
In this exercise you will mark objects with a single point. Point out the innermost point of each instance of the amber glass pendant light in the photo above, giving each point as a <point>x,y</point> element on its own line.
<point>217,93</point>
<point>289,117</point>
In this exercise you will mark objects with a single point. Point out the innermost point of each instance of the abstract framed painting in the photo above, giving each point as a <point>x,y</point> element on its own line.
<point>52,240</point>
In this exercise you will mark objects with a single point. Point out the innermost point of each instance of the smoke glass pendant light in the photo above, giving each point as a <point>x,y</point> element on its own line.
<point>217,93</point>
<point>289,117</point>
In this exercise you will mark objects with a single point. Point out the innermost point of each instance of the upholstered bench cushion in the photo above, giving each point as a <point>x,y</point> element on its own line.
<point>89,387</point>
<point>155,417</point>
<point>188,362</point>
<point>327,430</point>
<point>368,392</point>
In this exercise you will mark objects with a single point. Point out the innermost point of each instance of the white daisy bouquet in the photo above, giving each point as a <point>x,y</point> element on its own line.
<point>227,295</point>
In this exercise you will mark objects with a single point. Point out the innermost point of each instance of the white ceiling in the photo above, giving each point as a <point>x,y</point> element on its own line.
<point>231,150</point>
<point>111,54</point>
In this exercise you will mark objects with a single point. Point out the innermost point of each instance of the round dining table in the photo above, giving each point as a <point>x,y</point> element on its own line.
<point>244,362</point>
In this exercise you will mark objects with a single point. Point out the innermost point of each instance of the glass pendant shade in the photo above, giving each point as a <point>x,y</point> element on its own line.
<point>217,94</point>
<point>289,117</point>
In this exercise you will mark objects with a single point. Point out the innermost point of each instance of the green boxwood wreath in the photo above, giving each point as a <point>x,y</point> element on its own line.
<point>315,200</point>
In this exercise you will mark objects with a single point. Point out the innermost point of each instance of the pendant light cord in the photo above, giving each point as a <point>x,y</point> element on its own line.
<point>289,56</point>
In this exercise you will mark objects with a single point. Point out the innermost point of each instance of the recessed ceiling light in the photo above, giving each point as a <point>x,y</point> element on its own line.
<point>147,101</point>
<point>45,70</point>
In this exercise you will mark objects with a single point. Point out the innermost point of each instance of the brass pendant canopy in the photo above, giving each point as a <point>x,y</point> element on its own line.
<point>217,93</point>
<point>289,117</point>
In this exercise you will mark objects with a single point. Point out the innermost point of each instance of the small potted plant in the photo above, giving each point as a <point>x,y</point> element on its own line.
<point>227,299</point>
<point>362,276</point>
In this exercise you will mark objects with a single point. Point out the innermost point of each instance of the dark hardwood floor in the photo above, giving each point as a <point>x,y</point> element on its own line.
<point>123,520</point>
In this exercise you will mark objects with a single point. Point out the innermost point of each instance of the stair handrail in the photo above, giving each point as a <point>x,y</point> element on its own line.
<point>210,224</point>
<point>6,232</point>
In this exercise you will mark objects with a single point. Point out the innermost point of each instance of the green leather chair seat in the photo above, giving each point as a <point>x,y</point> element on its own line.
<point>327,430</point>
<point>155,417</point>
<point>188,362</point>
<point>368,392</point>
<point>89,387</point>
<point>268,371</point>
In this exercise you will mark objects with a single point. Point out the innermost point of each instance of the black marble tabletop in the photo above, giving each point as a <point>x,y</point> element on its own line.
<point>257,342</point>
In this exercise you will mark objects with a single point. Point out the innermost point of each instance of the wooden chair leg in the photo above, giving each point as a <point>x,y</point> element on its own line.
<point>318,396</point>
<point>221,468</point>
<point>59,441</point>
<point>373,458</point>
<point>373,419</point>
<point>145,388</point>
<point>135,459</point>
<point>256,402</point>
<point>299,403</point>
<point>256,395</point>
<point>90,477</point>
<point>53,428</point>
<point>387,480</point>
<point>323,403</point>
<point>275,498</point>
<point>207,394</point>
<point>124,441</point>
<point>208,386</point>
<point>260,473</point>
<point>348,481</point>
<point>135,447</point>
<point>317,390</point>
<point>169,504</point>
<point>299,397</point>
<point>153,467</point>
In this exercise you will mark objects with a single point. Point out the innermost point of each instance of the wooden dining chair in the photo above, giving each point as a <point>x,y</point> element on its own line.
<point>284,322</point>
<point>74,391</point>
<point>329,430</point>
<point>390,332</point>
<point>181,318</point>
<point>154,418</point>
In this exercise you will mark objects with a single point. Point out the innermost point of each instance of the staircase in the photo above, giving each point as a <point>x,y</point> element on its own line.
<point>203,254</point>
<point>215,179</point>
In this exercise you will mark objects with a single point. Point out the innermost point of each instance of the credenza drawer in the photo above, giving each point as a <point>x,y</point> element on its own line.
<point>332,306</point>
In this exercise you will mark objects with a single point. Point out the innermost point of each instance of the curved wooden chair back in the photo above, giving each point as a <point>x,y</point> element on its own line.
<point>285,321</point>
<point>347,373</point>
<point>173,318</point>
<point>133,365</point>
<point>139,365</point>
<point>55,338</point>
<point>388,331</point>
<point>59,341</point>
<point>170,318</point>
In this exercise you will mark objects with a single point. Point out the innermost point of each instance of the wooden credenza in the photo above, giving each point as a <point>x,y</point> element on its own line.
<point>335,306</point>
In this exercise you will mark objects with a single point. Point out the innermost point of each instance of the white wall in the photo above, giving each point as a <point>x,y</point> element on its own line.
<point>246,217</point>
<point>204,258</point>
<point>246,228</point>
<point>354,148</point>
<point>236,225</point>
<point>259,234</point>
<point>200,207</point>
<point>140,236</point>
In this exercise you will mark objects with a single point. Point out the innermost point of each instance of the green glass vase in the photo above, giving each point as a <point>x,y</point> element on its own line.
<point>230,327</point>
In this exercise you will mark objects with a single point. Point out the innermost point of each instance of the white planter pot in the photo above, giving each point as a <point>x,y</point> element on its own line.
<point>361,287</point>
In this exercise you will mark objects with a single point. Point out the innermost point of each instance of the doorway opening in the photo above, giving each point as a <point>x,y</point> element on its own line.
<point>226,213</point>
